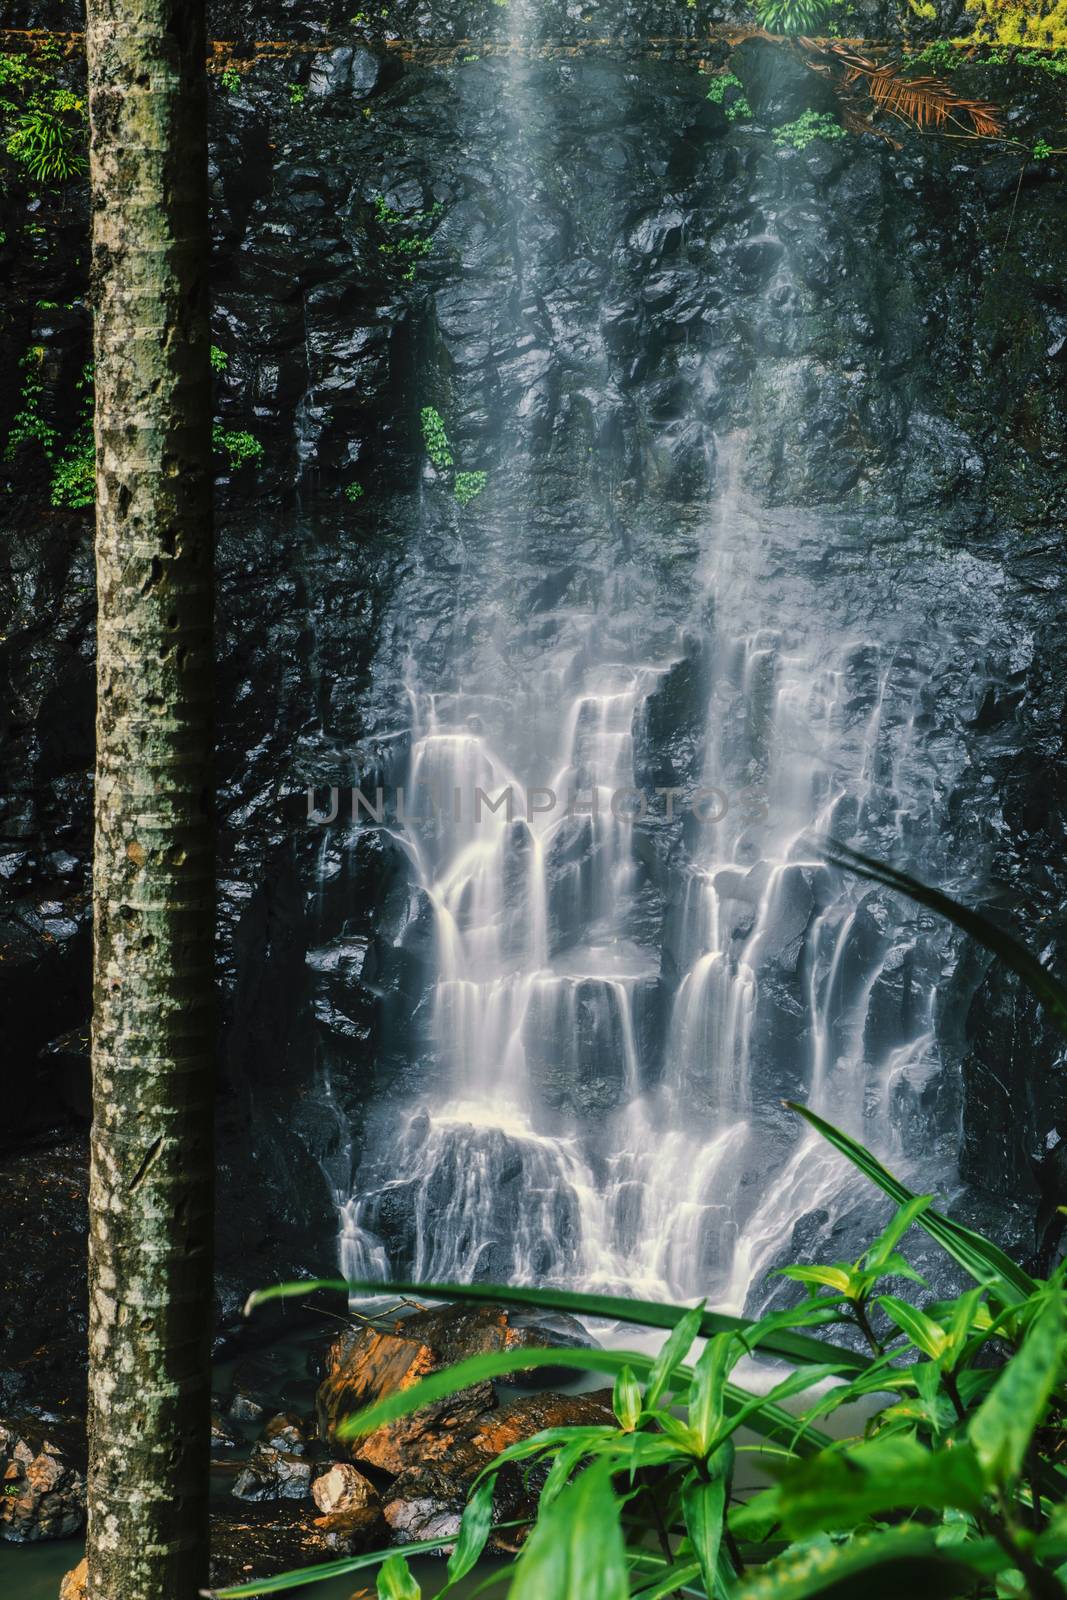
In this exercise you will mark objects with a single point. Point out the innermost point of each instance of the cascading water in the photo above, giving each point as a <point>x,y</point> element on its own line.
<point>601,1086</point>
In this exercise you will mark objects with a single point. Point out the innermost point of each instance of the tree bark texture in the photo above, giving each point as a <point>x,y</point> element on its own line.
<point>153,895</point>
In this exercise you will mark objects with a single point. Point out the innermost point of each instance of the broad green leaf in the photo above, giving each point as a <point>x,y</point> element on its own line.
<point>323,1572</point>
<point>985,1262</point>
<point>924,1334</point>
<point>889,1565</point>
<point>707,1396</point>
<point>473,1532</point>
<point>1002,1427</point>
<point>837,1278</point>
<point>841,1488</point>
<point>883,1248</point>
<point>671,1582</point>
<point>796,1383</point>
<point>576,1549</point>
<point>611,1308</point>
<point>675,1349</point>
<point>396,1581</point>
<point>626,1400</point>
<point>704,1507</point>
<point>494,1364</point>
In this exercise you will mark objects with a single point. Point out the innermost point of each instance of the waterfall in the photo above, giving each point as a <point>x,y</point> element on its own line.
<point>592,1091</point>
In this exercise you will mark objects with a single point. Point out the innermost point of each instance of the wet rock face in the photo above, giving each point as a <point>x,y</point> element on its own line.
<point>42,1461</point>
<point>886,325</point>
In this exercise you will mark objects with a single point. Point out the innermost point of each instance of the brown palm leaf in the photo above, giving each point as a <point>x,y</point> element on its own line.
<point>924,102</point>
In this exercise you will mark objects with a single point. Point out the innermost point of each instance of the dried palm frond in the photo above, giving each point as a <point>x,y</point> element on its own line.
<point>924,102</point>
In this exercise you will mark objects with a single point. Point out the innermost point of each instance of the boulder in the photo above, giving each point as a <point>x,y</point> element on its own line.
<point>273,1474</point>
<point>75,1583</point>
<point>365,1365</point>
<point>261,1542</point>
<point>42,1464</point>
<point>343,1489</point>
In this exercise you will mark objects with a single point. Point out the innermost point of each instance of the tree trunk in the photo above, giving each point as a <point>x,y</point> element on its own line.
<point>153,893</point>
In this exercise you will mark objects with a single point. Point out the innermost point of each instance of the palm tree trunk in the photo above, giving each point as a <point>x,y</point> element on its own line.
<point>153,895</point>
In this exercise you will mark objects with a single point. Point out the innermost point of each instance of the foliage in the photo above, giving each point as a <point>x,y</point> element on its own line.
<point>74,477</point>
<point>231,80</point>
<point>808,126</point>
<point>44,125</point>
<point>467,486</point>
<point>219,359</point>
<point>238,445</point>
<point>1042,150</point>
<point>28,425</point>
<point>793,16</point>
<point>735,105</point>
<point>405,244</point>
<point>354,492</point>
<point>297,94</point>
<point>435,438</point>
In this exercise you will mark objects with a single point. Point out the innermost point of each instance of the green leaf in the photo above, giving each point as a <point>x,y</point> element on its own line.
<point>576,1550</point>
<point>796,1383</point>
<point>985,1262</point>
<point>396,1582</point>
<point>704,1506</point>
<point>1008,949</point>
<point>670,1582</point>
<point>1003,1425</point>
<point>888,1565</point>
<point>883,1248</point>
<point>837,1278</point>
<point>610,1308</point>
<point>841,1488</point>
<point>924,1333</point>
<point>707,1394</point>
<point>673,1353</point>
<point>626,1400</point>
<point>473,1532</point>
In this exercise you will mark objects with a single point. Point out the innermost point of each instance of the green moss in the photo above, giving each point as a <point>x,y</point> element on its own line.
<point>1041,24</point>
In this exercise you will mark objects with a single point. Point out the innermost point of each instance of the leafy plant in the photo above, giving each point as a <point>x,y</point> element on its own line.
<point>74,478</point>
<point>297,94</point>
<point>467,486</point>
<point>809,125</point>
<point>28,425</point>
<point>219,359</point>
<point>231,79</point>
<point>435,438</point>
<point>354,492</point>
<point>405,244</point>
<point>720,93</point>
<point>47,136</point>
<point>1042,150</point>
<point>794,16</point>
<point>238,445</point>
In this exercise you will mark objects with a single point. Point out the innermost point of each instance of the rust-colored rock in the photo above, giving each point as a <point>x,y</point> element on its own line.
<point>365,1366</point>
<point>75,1584</point>
<point>521,1419</point>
